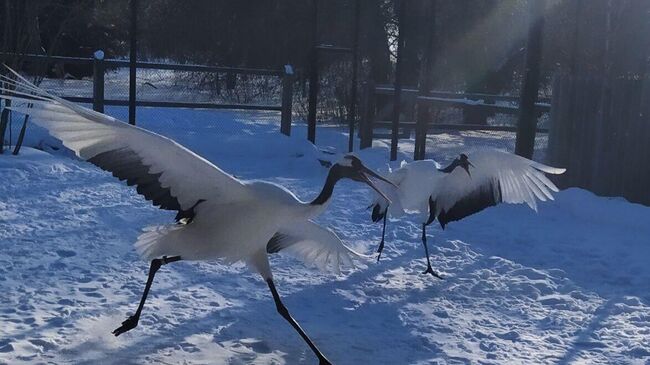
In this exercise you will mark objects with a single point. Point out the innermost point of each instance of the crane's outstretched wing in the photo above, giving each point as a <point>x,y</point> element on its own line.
<point>168,174</point>
<point>314,245</point>
<point>496,177</point>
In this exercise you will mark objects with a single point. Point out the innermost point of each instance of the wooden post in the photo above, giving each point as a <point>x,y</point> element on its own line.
<point>98,81</point>
<point>313,76</point>
<point>133,59</point>
<point>352,112</point>
<point>4,120</point>
<point>366,127</point>
<point>423,109</point>
<point>287,100</point>
<point>21,134</point>
<point>231,80</point>
<point>527,123</point>
<point>397,97</point>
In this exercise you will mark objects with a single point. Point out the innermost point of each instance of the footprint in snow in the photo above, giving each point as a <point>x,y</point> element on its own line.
<point>65,253</point>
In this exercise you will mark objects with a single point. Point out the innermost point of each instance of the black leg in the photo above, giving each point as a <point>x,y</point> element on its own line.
<point>131,322</point>
<point>284,312</point>
<point>429,270</point>
<point>383,234</point>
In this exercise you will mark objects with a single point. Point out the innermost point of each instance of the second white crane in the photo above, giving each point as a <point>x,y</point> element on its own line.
<point>462,189</point>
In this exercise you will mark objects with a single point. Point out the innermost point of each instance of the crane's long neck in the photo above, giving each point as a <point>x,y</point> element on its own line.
<point>326,193</point>
<point>450,168</point>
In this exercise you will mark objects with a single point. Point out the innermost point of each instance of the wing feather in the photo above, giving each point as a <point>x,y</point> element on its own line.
<point>165,172</point>
<point>496,177</point>
<point>314,245</point>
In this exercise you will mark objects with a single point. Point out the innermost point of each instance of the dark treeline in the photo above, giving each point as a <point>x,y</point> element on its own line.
<point>479,44</point>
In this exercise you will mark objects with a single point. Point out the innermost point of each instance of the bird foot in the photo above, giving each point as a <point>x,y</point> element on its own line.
<point>129,324</point>
<point>429,270</point>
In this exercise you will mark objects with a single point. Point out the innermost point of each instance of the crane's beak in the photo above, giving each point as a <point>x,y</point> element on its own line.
<point>466,168</point>
<point>367,173</point>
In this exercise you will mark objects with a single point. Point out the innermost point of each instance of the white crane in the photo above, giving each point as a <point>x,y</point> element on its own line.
<point>462,189</point>
<point>218,216</point>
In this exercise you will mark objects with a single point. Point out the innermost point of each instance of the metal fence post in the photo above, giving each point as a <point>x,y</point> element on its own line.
<point>287,100</point>
<point>98,81</point>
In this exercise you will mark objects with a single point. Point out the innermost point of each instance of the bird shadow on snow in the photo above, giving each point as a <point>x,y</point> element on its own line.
<point>599,243</point>
<point>584,341</point>
<point>346,333</point>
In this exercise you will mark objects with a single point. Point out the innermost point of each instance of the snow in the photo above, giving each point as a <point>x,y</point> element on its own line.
<point>567,285</point>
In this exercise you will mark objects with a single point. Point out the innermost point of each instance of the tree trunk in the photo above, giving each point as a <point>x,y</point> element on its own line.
<point>376,42</point>
<point>527,123</point>
<point>413,36</point>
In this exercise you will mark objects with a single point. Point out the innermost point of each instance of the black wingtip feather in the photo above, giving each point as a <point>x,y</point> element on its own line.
<point>468,205</point>
<point>432,212</point>
<point>125,165</point>
<point>187,215</point>
<point>377,213</point>
<point>275,243</point>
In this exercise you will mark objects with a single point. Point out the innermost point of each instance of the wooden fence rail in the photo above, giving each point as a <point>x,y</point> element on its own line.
<point>600,132</point>
<point>100,66</point>
<point>389,90</point>
<point>436,99</point>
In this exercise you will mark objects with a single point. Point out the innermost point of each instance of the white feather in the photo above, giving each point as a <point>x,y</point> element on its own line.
<point>316,245</point>
<point>511,178</point>
<point>521,180</point>
<point>236,219</point>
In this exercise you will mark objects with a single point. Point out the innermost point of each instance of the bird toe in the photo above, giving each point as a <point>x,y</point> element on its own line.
<point>433,273</point>
<point>129,324</point>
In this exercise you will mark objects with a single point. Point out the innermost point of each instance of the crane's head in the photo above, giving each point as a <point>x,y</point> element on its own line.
<point>351,167</point>
<point>463,162</point>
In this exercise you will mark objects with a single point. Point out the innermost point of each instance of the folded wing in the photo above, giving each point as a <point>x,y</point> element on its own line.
<point>314,245</point>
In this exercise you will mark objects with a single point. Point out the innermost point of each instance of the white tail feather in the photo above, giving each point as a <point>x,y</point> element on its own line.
<point>150,243</point>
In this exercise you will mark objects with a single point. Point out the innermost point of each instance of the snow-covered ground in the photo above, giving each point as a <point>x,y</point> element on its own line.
<point>567,285</point>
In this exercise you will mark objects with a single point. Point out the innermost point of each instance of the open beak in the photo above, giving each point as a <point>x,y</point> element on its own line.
<point>366,173</point>
<point>467,168</point>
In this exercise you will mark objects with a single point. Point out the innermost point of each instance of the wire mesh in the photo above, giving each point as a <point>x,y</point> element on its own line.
<point>444,144</point>
<point>174,86</point>
<point>441,142</point>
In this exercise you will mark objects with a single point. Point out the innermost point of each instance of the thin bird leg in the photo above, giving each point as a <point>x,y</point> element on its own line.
<point>383,234</point>
<point>131,322</point>
<point>429,270</point>
<point>284,312</point>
